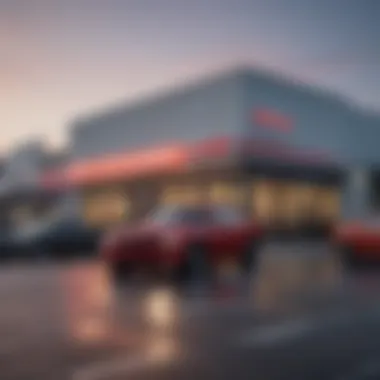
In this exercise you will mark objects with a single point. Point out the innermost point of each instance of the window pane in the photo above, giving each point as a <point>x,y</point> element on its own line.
<point>181,195</point>
<point>106,208</point>
<point>227,193</point>
<point>328,204</point>
<point>264,200</point>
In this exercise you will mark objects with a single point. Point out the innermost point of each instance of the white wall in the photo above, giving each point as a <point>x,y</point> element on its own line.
<point>321,120</point>
<point>209,108</point>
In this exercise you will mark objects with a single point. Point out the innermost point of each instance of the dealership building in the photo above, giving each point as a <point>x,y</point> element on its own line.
<point>280,150</point>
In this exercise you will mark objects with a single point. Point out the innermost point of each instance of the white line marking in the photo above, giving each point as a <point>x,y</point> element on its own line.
<point>279,333</point>
<point>265,336</point>
<point>108,369</point>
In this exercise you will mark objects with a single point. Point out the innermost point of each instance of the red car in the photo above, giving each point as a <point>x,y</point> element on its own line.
<point>359,241</point>
<point>186,242</point>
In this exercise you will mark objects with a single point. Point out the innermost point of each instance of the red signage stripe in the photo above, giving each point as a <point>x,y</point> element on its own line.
<point>271,119</point>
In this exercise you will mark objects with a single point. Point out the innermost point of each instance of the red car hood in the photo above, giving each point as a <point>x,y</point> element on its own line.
<point>134,232</point>
<point>130,240</point>
<point>141,230</point>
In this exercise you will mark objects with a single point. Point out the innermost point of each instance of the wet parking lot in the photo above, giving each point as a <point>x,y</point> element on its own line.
<point>70,321</point>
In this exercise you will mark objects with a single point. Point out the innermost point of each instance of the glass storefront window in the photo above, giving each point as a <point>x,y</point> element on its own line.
<point>172,195</point>
<point>227,194</point>
<point>329,204</point>
<point>293,203</point>
<point>287,203</point>
<point>183,195</point>
<point>264,200</point>
<point>302,200</point>
<point>106,208</point>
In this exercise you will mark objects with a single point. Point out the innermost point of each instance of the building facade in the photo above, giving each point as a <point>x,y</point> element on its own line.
<point>278,149</point>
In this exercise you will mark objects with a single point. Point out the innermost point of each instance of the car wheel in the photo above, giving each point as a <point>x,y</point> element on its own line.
<point>196,266</point>
<point>349,259</point>
<point>250,255</point>
<point>38,254</point>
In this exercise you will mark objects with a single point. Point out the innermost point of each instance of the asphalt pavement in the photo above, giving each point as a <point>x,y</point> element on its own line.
<point>70,321</point>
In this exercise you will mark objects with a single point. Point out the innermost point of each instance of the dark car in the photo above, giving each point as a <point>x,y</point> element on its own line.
<point>6,244</point>
<point>57,238</point>
<point>184,241</point>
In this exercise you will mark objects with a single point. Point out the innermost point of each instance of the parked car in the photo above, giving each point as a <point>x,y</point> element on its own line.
<point>60,237</point>
<point>6,244</point>
<point>359,241</point>
<point>184,242</point>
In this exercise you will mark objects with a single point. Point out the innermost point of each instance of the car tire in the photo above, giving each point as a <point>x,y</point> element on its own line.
<point>196,267</point>
<point>250,256</point>
<point>39,254</point>
<point>349,259</point>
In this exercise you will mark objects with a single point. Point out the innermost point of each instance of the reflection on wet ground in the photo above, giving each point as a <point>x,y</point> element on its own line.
<point>72,322</point>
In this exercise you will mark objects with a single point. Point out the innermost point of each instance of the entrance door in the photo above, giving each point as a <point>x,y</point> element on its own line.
<point>264,201</point>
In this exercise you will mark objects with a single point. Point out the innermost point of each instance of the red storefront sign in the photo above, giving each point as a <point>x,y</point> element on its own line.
<point>177,157</point>
<point>174,158</point>
<point>271,119</point>
<point>120,166</point>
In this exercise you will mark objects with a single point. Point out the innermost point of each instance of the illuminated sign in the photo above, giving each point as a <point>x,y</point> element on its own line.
<point>271,119</point>
<point>175,158</point>
<point>123,165</point>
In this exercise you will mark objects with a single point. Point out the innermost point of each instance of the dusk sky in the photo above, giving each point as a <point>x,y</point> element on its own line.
<point>59,59</point>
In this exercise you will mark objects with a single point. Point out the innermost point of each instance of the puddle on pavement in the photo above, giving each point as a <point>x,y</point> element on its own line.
<point>288,276</point>
<point>87,303</point>
<point>96,310</point>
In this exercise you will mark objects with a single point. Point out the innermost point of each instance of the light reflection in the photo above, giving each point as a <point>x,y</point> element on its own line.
<point>88,299</point>
<point>162,349</point>
<point>161,308</point>
<point>91,330</point>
